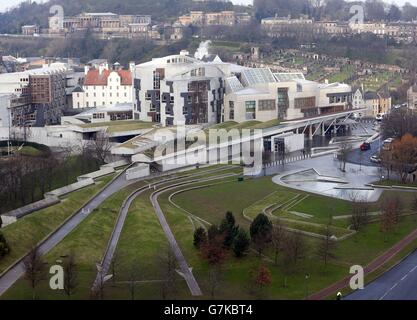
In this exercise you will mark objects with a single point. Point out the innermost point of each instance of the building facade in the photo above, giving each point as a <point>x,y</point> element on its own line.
<point>39,95</point>
<point>106,24</point>
<point>223,18</point>
<point>104,86</point>
<point>181,89</point>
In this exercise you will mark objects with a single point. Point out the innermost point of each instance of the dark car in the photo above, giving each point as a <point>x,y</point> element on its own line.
<point>365,146</point>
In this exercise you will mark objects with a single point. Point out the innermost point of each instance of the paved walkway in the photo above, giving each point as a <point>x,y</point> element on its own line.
<point>10,276</point>
<point>375,264</point>
<point>115,236</point>
<point>185,269</point>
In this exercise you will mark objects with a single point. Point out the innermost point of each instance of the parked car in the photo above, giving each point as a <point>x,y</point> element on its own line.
<point>375,159</point>
<point>365,146</point>
<point>387,144</point>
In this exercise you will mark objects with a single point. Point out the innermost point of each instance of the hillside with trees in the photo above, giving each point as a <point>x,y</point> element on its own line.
<point>161,10</point>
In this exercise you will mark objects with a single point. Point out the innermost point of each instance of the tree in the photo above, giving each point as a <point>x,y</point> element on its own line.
<point>133,274</point>
<point>360,213</point>
<point>241,243</point>
<point>101,147</point>
<point>394,13</point>
<point>168,264</point>
<point>278,236</point>
<point>1,222</point>
<point>374,10</point>
<point>214,252</point>
<point>4,246</point>
<point>71,275</point>
<point>404,155</point>
<point>293,251</point>
<point>35,270</point>
<point>229,228</point>
<point>200,236</point>
<point>391,209</point>
<point>261,232</point>
<point>327,246</point>
<point>262,278</point>
<point>344,150</point>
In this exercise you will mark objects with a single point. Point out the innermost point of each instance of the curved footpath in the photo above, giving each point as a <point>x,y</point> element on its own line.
<point>115,236</point>
<point>374,265</point>
<point>11,275</point>
<point>185,269</point>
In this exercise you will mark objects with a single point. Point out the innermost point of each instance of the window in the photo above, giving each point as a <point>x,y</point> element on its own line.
<point>266,105</point>
<point>250,107</point>
<point>231,110</point>
<point>305,103</point>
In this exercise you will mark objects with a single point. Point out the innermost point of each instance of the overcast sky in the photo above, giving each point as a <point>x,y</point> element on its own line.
<point>4,4</point>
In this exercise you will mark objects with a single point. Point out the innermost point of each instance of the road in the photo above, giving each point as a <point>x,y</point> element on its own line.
<point>374,265</point>
<point>15,272</point>
<point>357,156</point>
<point>399,283</point>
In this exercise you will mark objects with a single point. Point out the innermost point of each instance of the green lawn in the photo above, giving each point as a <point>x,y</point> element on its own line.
<point>31,229</point>
<point>118,126</point>
<point>88,242</point>
<point>143,241</point>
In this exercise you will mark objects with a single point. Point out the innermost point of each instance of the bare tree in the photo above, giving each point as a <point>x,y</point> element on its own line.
<point>344,150</point>
<point>360,212</point>
<point>71,275</point>
<point>278,236</point>
<point>133,275</point>
<point>327,246</point>
<point>101,146</point>
<point>35,270</point>
<point>293,251</point>
<point>168,265</point>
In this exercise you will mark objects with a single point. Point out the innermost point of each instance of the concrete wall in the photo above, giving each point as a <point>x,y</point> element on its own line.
<point>70,188</point>
<point>53,136</point>
<point>139,171</point>
<point>23,211</point>
<point>97,174</point>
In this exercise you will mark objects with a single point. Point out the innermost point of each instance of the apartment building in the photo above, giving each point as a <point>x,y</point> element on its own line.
<point>377,102</point>
<point>181,89</point>
<point>223,18</point>
<point>288,27</point>
<point>37,96</point>
<point>104,86</point>
<point>107,24</point>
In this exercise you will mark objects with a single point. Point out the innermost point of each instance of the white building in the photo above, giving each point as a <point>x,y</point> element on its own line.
<point>263,96</point>
<point>105,87</point>
<point>181,89</point>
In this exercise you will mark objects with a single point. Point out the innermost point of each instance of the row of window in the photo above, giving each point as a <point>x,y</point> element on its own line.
<point>338,99</point>
<point>110,87</point>
<point>103,95</point>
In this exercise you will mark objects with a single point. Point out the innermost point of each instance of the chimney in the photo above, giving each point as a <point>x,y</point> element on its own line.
<point>101,68</point>
<point>86,69</point>
<point>132,67</point>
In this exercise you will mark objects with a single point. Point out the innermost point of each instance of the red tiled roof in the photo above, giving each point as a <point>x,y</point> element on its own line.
<point>94,78</point>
